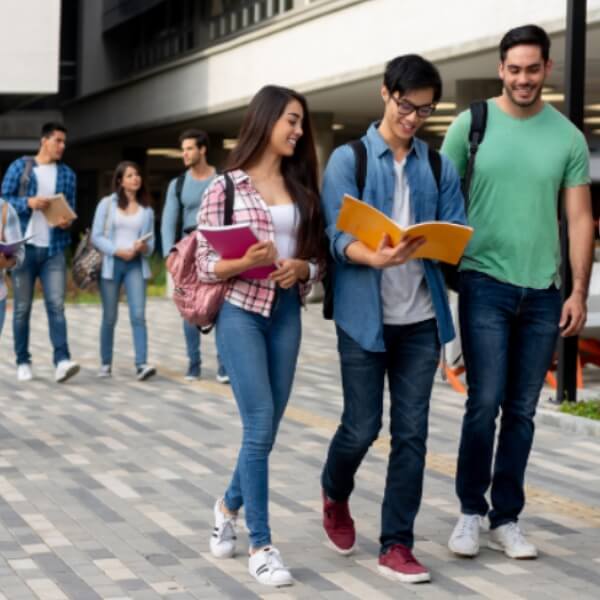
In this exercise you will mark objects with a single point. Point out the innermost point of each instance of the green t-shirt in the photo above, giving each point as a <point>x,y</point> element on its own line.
<point>520,167</point>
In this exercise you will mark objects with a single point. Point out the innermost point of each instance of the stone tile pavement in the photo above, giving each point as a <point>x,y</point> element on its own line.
<point>107,486</point>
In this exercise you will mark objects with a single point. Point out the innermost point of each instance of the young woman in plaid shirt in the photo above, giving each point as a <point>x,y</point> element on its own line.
<point>274,172</point>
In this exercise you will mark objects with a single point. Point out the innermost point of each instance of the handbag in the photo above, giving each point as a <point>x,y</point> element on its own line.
<point>87,260</point>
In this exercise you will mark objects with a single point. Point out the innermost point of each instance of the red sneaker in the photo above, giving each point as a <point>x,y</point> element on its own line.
<point>399,563</point>
<point>338,525</point>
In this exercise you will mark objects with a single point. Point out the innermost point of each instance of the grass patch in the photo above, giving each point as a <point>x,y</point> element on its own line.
<point>590,409</point>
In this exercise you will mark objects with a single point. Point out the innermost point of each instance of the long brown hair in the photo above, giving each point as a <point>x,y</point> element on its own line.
<point>142,196</point>
<point>299,171</point>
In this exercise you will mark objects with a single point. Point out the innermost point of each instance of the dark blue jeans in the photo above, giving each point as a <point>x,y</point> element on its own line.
<point>508,337</point>
<point>260,356</point>
<point>410,360</point>
<point>51,271</point>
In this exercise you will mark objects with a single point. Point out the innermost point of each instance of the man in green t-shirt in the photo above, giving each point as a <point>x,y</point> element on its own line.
<point>509,300</point>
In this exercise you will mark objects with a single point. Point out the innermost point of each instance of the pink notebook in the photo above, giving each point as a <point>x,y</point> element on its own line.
<point>232,241</point>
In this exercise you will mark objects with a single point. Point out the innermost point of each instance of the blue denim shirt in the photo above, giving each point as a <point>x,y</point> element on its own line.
<point>357,306</point>
<point>103,235</point>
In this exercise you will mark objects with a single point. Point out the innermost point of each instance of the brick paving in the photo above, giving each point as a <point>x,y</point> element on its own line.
<point>107,486</point>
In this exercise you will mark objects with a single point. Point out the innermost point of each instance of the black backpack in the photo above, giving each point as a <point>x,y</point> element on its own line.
<point>360,173</point>
<point>476,133</point>
<point>178,190</point>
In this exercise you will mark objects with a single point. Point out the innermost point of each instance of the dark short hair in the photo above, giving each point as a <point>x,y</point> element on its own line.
<point>528,35</point>
<point>201,138</point>
<point>49,128</point>
<point>412,72</point>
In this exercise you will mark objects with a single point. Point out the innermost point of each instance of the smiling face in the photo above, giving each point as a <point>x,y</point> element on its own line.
<point>396,122</point>
<point>523,73</point>
<point>132,180</point>
<point>287,129</point>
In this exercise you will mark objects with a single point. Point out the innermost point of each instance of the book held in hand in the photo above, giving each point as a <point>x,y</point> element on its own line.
<point>232,241</point>
<point>57,209</point>
<point>10,248</point>
<point>443,241</point>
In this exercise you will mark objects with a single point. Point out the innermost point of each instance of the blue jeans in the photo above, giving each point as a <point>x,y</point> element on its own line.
<point>508,337</point>
<point>130,274</point>
<point>2,313</point>
<point>410,360</point>
<point>260,356</point>
<point>192,343</point>
<point>52,273</point>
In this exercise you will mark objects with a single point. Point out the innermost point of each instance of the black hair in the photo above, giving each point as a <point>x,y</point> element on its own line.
<point>142,195</point>
<point>528,35</point>
<point>201,138</point>
<point>412,72</point>
<point>49,128</point>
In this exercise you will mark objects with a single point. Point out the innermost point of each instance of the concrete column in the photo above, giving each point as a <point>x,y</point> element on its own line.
<point>324,138</point>
<point>468,90</point>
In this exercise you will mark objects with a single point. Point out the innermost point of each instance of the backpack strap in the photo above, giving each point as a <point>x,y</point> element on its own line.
<point>435,162</point>
<point>26,175</point>
<point>360,165</point>
<point>229,199</point>
<point>4,219</point>
<point>178,191</point>
<point>476,135</point>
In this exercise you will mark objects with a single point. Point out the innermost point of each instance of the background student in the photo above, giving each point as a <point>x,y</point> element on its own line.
<point>179,218</point>
<point>123,231</point>
<point>10,231</point>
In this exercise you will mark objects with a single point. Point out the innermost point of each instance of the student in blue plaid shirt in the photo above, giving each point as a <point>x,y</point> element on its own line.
<point>28,184</point>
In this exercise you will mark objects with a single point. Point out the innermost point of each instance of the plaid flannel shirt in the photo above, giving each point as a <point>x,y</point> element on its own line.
<point>254,295</point>
<point>65,183</point>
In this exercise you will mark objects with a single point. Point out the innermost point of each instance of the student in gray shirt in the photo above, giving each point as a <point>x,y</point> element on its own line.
<point>184,195</point>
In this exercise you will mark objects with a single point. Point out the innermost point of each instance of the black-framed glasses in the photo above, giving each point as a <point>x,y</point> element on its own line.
<point>405,107</point>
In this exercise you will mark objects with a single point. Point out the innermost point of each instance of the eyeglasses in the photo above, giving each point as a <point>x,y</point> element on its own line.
<point>405,107</point>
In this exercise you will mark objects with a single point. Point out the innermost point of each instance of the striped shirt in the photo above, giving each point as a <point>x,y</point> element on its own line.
<point>254,295</point>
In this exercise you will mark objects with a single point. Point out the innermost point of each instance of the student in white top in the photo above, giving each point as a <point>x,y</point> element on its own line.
<point>123,231</point>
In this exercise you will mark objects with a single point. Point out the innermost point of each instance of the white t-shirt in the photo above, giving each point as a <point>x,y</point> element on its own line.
<point>38,227</point>
<point>285,217</point>
<point>404,292</point>
<point>128,228</point>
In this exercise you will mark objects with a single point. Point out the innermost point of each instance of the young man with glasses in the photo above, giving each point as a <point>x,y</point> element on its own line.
<point>391,313</point>
<point>510,306</point>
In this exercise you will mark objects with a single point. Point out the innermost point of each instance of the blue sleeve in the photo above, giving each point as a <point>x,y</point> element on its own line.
<point>168,221</point>
<point>101,241</point>
<point>72,190</point>
<point>10,187</point>
<point>339,179</point>
<point>451,205</point>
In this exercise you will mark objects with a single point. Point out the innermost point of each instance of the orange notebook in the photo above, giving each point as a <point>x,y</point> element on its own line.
<point>444,241</point>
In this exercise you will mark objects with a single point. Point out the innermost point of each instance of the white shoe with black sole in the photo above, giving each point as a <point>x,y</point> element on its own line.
<point>266,566</point>
<point>223,539</point>
<point>144,372</point>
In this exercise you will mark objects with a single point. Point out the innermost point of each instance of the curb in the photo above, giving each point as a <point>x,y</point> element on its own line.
<point>569,423</point>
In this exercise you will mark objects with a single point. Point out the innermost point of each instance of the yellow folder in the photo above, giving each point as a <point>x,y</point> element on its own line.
<point>444,241</point>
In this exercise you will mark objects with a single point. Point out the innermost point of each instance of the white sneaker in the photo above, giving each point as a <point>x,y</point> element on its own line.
<point>510,539</point>
<point>464,540</point>
<point>65,369</point>
<point>24,372</point>
<point>104,371</point>
<point>144,372</point>
<point>222,541</point>
<point>266,566</point>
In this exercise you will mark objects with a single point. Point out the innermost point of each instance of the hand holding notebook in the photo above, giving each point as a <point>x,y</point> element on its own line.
<point>233,241</point>
<point>58,212</point>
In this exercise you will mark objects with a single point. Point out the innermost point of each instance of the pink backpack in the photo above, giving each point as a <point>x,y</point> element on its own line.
<point>198,301</point>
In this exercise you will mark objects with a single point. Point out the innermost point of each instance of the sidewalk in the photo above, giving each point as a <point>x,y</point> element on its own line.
<point>107,487</point>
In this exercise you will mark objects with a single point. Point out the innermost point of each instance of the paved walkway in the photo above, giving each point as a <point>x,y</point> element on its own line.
<point>107,487</point>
